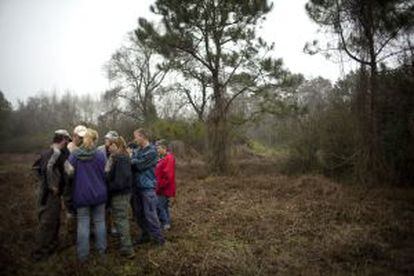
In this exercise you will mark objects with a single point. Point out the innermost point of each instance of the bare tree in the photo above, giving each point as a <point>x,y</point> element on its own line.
<point>137,73</point>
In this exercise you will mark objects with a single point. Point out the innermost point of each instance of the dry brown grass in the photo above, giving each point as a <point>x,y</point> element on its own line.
<point>257,222</point>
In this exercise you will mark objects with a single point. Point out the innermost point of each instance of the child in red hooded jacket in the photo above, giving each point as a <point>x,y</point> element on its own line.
<point>165,175</point>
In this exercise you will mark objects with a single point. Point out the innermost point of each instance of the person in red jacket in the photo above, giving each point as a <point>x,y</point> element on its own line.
<point>165,175</point>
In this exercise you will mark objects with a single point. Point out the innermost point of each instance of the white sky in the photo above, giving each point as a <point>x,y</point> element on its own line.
<point>62,45</point>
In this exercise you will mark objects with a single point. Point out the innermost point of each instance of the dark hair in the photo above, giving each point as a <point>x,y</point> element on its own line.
<point>143,132</point>
<point>121,145</point>
<point>162,143</point>
<point>57,138</point>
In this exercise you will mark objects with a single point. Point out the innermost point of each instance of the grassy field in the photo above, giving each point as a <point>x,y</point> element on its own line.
<point>256,222</point>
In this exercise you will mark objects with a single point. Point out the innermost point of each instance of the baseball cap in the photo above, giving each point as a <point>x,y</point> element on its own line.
<point>64,133</point>
<point>80,130</point>
<point>112,135</point>
<point>162,143</point>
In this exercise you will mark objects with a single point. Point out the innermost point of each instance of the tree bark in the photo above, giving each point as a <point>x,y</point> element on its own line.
<point>218,133</point>
<point>375,153</point>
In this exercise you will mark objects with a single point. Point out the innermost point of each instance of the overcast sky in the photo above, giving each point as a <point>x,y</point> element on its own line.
<point>62,45</point>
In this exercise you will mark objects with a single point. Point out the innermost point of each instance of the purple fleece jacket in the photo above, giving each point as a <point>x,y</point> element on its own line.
<point>89,180</point>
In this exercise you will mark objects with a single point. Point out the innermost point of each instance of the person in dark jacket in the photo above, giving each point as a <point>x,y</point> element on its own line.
<point>134,190</point>
<point>52,178</point>
<point>119,181</point>
<point>143,160</point>
<point>109,139</point>
<point>87,164</point>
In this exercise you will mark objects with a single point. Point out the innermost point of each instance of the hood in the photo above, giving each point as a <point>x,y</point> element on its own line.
<point>84,154</point>
<point>120,156</point>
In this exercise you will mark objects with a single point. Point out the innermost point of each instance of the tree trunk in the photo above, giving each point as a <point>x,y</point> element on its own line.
<point>218,135</point>
<point>150,112</point>
<point>376,161</point>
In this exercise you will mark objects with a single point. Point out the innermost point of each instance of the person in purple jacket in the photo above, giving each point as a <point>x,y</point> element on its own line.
<point>87,165</point>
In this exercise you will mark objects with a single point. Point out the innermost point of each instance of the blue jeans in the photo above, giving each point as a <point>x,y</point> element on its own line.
<point>146,214</point>
<point>98,216</point>
<point>163,210</point>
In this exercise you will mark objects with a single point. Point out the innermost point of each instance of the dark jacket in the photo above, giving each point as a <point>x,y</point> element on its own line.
<point>119,177</point>
<point>143,163</point>
<point>50,170</point>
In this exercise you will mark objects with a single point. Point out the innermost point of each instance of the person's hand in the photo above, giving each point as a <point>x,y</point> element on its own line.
<point>129,150</point>
<point>113,148</point>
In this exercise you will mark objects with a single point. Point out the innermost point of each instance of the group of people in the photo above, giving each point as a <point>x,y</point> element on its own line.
<point>100,184</point>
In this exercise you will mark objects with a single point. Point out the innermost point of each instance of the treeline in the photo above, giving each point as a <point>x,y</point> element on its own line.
<point>29,126</point>
<point>329,137</point>
<point>313,128</point>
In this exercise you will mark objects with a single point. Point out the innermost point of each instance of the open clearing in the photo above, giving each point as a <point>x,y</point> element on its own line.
<point>258,222</point>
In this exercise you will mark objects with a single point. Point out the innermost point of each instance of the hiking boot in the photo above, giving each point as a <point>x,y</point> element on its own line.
<point>158,242</point>
<point>142,240</point>
<point>82,266</point>
<point>38,256</point>
<point>102,259</point>
<point>114,233</point>
<point>128,254</point>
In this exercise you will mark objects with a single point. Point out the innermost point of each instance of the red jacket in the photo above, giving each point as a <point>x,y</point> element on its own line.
<point>165,174</point>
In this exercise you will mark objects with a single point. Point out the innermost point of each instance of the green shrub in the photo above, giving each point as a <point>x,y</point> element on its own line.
<point>190,132</point>
<point>326,141</point>
<point>27,143</point>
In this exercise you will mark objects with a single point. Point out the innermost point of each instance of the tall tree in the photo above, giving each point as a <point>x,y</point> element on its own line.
<point>137,72</point>
<point>196,89</point>
<point>215,41</point>
<point>369,32</point>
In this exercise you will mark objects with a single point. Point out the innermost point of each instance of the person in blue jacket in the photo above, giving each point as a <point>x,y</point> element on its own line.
<point>143,161</point>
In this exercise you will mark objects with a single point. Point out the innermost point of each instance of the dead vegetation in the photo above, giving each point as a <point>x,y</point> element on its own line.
<point>257,222</point>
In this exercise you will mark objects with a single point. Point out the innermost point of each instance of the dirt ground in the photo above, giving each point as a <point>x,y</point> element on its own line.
<point>257,222</point>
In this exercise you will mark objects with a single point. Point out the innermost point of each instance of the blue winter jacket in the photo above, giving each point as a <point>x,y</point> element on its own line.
<point>143,162</point>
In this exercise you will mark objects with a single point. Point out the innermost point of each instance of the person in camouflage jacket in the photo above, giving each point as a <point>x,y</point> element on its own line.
<point>52,181</point>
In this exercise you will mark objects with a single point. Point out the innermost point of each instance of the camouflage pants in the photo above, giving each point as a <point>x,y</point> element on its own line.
<point>67,198</point>
<point>70,211</point>
<point>119,206</point>
<point>49,222</point>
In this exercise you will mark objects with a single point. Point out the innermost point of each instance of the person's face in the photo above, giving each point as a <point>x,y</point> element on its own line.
<point>62,143</point>
<point>67,141</point>
<point>112,148</point>
<point>107,143</point>
<point>161,150</point>
<point>139,138</point>
<point>76,139</point>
